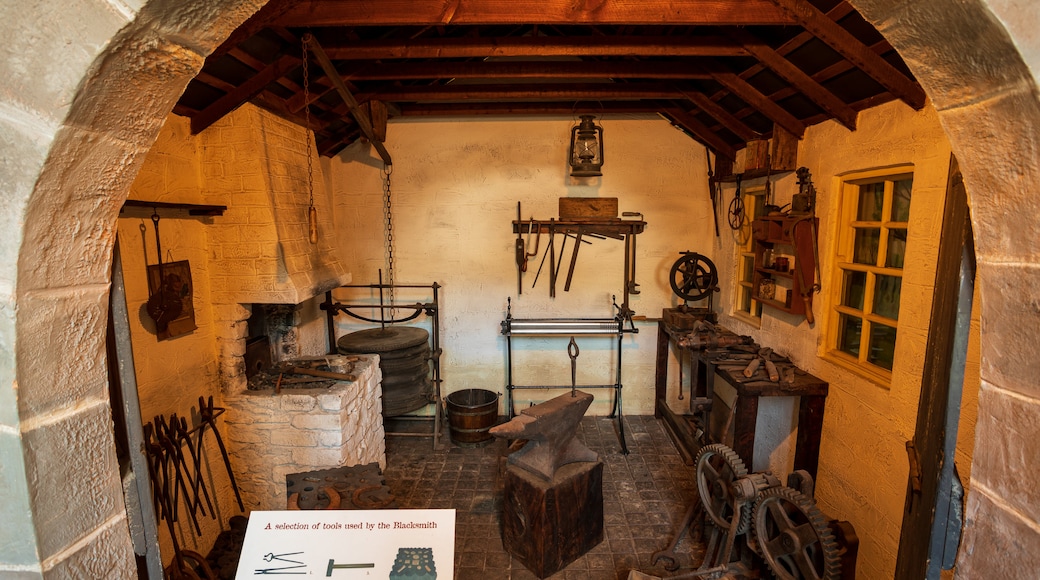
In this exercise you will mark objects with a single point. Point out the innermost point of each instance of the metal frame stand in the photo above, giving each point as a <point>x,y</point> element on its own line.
<point>567,327</point>
<point>430,309</point>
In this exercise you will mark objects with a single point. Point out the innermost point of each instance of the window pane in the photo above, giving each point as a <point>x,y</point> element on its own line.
<point>871,200</point>
<point>886,296</point>
<point>749,268</point>
<point>849,330</point>
<point>901,200</point>
<point>882,345</point>
<point>745,299</point>
<point>896,248</point>
<point>866,249</point>
<point>855,284</point>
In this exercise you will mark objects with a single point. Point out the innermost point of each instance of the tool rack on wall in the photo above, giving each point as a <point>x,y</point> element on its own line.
<point>614,228</point>
<point>412,311</point>
<point>568,327</point>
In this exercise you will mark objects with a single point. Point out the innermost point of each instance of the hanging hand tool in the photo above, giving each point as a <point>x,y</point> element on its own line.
<point>631,287</point>
<point>572,352</point>
<point>537,239</point>
<point>207,415</point>
<point>164,305</point>
<point>521,253</point>
<point>552,259</point>
<point>712,192</point>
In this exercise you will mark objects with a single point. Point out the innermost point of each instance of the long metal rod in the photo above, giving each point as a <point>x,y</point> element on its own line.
<point>345,94</point>
<point>141,489</point>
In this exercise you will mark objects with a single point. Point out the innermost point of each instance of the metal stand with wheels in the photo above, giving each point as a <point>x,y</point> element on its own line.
<point>568,327</point>
<point>387,316</point>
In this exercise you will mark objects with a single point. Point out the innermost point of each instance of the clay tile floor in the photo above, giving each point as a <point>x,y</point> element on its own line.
<point>645,495</point>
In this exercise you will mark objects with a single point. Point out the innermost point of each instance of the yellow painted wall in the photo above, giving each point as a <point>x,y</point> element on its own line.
<point>455,186</point>
<point>863,463</point>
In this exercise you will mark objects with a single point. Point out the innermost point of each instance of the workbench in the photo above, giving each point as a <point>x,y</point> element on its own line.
<point>690,431</point>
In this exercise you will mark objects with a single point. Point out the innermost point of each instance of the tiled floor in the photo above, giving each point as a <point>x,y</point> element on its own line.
<point>645,494</point>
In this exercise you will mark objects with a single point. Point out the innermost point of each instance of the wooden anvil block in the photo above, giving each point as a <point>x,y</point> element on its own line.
<point>546,525</point>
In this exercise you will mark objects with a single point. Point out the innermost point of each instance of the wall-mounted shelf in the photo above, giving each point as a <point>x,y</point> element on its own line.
<point>791,237</point>
<point>193,209</point>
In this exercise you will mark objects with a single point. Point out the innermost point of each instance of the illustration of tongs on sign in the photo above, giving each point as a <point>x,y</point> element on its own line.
<point>283,569</point>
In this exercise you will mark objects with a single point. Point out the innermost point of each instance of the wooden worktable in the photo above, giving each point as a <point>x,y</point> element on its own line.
<point>728,365</point>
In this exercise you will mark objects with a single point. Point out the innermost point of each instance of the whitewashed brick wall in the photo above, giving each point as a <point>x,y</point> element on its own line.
<point>271,436</point>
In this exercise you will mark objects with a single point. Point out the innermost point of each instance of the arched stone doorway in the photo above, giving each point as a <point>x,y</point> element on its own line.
<point>72,146</point>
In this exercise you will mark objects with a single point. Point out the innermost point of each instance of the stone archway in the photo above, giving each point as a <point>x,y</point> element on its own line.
<point>72,145</point>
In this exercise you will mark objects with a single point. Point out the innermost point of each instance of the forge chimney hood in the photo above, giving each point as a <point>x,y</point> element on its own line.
<point>256,164</point>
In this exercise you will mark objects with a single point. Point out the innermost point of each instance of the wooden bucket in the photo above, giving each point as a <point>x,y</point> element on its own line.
<point>471,415</point>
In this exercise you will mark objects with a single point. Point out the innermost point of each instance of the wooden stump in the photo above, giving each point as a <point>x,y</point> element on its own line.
<point>547,525</point>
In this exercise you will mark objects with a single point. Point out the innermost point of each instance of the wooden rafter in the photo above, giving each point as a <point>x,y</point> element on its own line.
<point>722,116</point>
<point>753,97</point>
<point>830,32</point>
<point>573,92</point>
<point>699,131</point>
<point>538,46</point>
<point>483,12</point>
<point>798,78</point>
<point>525,70</point>
<point>243,93</point>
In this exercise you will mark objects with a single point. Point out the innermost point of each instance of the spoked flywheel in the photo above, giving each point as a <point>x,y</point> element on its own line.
<point>792,534</point>
<point>718,467</point>
<point>693,276</point>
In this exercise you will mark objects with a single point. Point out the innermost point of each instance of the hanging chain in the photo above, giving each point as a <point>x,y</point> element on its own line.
<point>307,129</point>
<point>388,226</point>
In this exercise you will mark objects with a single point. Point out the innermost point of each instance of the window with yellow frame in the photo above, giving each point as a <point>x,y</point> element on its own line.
<point>868,272</point>
<point>744,302</point>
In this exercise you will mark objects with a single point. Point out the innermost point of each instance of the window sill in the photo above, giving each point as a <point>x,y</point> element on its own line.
<point>876,375</point>
<point>755,321</point>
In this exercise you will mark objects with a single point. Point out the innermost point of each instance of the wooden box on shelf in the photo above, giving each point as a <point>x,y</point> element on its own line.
<point>784,261</point>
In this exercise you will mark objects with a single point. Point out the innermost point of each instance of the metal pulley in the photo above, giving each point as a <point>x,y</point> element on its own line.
<point>694,277</point>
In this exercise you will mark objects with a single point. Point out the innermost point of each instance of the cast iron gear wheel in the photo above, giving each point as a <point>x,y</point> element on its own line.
<point>718,467</point>
<point>693,276</point>
<point>793,536</point>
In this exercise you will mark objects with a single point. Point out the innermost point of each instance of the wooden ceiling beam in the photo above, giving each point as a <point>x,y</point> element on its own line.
<point>841,40</point>
<point>345,94</point>
<point>722,116</point>
<point>801,81</point>
<point>525,70</point>
<point>568,92</point>
<point>529,108</point>
<point>260,19</point>
<point>488,12</point>
<point>841,10</point>
<point>700,132</point>
<point>537,46</point>
<point>243,93</point>
<point>757,100</point>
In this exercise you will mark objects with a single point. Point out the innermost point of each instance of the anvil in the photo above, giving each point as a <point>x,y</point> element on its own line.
<point>549,429</point>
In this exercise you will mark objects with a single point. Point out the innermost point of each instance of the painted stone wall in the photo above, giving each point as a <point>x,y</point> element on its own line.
<point>455,188</point>
<point>863,465</point>
<point>228,264</point>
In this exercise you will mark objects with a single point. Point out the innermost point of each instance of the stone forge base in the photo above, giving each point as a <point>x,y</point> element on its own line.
<point>547,525</point>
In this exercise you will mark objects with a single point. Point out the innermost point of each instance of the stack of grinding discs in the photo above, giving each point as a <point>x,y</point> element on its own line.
<point>404,354</point>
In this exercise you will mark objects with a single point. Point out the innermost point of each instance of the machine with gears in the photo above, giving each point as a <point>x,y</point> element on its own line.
<point>693,278</point>
<point>755,524</point>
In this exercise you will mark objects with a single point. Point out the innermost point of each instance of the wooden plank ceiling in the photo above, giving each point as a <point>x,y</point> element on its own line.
<point>725,71</point>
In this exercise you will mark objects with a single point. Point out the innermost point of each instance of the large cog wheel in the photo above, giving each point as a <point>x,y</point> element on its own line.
<point>718,467</point>
<point>793,537</point>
